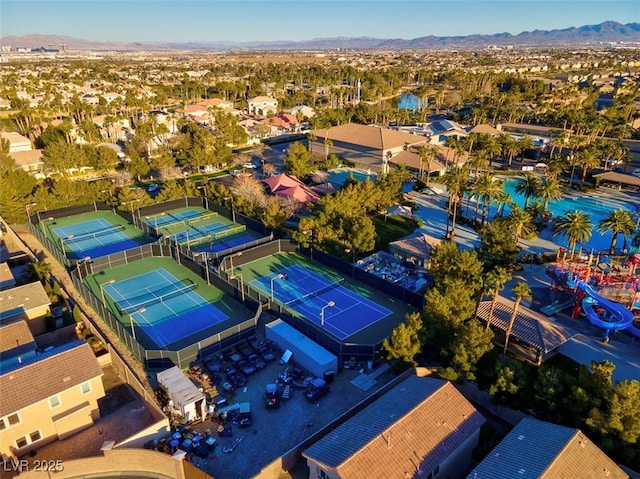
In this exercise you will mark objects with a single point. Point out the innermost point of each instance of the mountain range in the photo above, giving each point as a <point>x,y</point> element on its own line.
<point>605,32</point>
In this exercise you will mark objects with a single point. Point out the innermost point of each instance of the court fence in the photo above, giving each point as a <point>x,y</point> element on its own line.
<point>163,358</point>
<point>344,350</point>
<point>195,201</point>
<point>34,220</point>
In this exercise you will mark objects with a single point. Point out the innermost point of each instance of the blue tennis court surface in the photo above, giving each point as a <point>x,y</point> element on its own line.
<point>94,238</point>
<point>308,294</point>
<point>165,307</point>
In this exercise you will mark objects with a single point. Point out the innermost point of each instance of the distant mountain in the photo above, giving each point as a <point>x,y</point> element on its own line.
<point>573,36</point>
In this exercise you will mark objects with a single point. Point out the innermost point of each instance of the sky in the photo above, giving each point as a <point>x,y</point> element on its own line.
<point>270,20</point>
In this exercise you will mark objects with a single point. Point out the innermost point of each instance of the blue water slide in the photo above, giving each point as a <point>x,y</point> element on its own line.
<point>619,317</point>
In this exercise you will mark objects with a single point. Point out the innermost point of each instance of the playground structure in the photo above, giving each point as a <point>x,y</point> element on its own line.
<point>606,290</point>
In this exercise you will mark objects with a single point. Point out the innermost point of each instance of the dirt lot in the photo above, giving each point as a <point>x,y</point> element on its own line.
<point>275,431</point>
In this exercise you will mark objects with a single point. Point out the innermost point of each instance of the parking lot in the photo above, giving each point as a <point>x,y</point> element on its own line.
<point>274,431</point>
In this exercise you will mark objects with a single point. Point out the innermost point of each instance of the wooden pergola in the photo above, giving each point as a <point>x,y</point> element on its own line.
<point>618,178</point>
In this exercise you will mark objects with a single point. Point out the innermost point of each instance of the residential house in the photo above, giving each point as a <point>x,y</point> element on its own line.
<point>371,146</point>
<point>540,450</point>
<point>533,337</point>
<point>304,110</point>
<point>415,248</point>
<point>29,161</point>
<point>90,99</point>
<point>44,396</point>
<point>7,280</point>
<point>412,160</point>
<point>485,129</point>
<point>422,427</point>
<point>111,96</point>
<point>5,104</point>
<point>17,142</point>
<point>29,302</point>
<point>217,103</point>
<point>290,187</point>
<point>262,105</point>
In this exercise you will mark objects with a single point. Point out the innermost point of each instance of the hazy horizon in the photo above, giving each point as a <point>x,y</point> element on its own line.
<point>172,21</point>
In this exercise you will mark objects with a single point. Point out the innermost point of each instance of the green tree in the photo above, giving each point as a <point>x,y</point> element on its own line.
<point>138,166</point>
<point>274,214</point>
<point>575,226</point>
<point>549,189</point>
<point>521,223</point>
<point>528,186</point>
<point>297,161</point>
<point>470,343</point>
<point>496,247</point>
<point>495,281</point>
<point>456,181</point>
<point>522,291</point>
<point>616,222</point>
<point>405,341</point>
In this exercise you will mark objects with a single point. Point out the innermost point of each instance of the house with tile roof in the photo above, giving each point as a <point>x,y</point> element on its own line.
<point>422,427</point>
<point>415,248</point>
<point>262,105</point>
<point>290,187</point>
<point>533,337</point>
<point>45,396</point>
<point>541,450</point>
<point>370,146</point>
<point>29,302</point>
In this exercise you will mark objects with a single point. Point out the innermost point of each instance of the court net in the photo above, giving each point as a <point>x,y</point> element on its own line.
<point>315,293</point>
<point>131,305</point>
<point>202,219</point>
<point>95,234</point>
<point>217,233</point>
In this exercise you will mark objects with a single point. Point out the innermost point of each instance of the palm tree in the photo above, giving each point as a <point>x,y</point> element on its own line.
<point>549,189</point>
<point>536,210</point>
<point>521,222</point>
<point>496,279</point>
<point>525,143</point>
<point>618,221</point>
<point>456,182</point>
<point>587,159</point>
<point>556,166</point>
<point>522,291</point>
<point>40,270</point>
<point>511,148</point>
<point>576,226</point>
<point>478,160</point>
<point>493,147</point>
<point>528,186</point>
<point>486,187</point>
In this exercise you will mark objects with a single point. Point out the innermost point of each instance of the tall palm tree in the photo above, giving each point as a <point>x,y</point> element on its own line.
<point>521,222</point>
<point>510,148</point>
<point>478,160</point>
<point>456,182</point>
<point>522,291</point>
<point>549,189</point>
<point>492,146</point>
<point>496,279</point>
<point>618,221</point>
<point>576,226</point>
<point>486,187</point>
<point>587,159</point>
<point>528,186</point>
<point>525,143</point>
<point>536,210</point>
<point>556,166</point>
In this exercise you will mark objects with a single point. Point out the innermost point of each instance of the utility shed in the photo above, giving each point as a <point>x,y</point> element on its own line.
<point>187,398</point>
<point>308,354</point>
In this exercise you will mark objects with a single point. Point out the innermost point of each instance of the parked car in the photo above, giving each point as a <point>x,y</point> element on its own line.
<point>636,172</point>
<point>152,187</point>
<point>272,401</point>
<point>249,165</point>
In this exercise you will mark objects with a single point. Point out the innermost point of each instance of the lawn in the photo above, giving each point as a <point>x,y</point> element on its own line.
<point>392,229</point>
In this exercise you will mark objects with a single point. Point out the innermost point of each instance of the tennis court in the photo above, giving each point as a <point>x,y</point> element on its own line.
<point>167,308</point>
<point>193,226</point>
<point>227,242</point>
<point>93,234</point>
<point>322,301</point>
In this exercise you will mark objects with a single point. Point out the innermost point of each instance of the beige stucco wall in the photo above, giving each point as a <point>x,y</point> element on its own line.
<point>115,462</point>
<point>40,417</point>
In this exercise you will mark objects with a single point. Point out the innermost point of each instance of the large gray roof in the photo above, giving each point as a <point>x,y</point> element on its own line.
<point>22,298</point>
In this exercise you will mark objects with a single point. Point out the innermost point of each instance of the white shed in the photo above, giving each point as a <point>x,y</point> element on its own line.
<point>186,397</point>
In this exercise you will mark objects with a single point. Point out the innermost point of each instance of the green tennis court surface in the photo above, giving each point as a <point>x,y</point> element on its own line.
<point>166,303</point>
<point>93,234</point>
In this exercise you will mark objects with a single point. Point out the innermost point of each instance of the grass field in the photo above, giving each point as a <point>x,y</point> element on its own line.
<point>394,228</point>
<point>371,335</point>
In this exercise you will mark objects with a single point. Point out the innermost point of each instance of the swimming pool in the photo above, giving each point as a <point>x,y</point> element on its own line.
<point>595,206</point>
<point>339,177</point>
